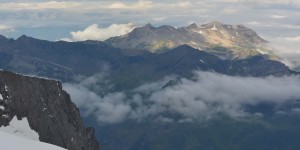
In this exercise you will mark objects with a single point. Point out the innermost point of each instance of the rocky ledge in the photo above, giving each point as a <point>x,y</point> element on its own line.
<point>48,109</point>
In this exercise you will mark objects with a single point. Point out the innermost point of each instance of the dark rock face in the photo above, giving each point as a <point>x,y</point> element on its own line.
<point>47,107</point>
<point>257,66</point>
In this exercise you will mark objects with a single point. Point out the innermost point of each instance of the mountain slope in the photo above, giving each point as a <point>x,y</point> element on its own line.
<point>64,60</point>
<point>47,108</point>
<point>225,41</point>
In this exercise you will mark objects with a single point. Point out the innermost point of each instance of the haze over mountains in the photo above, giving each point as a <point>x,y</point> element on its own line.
<point>169,88</point>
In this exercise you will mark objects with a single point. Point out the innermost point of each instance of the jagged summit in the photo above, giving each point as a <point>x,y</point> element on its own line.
<point>148,25</point>
<point>238,40</point>
<point>192,26</point>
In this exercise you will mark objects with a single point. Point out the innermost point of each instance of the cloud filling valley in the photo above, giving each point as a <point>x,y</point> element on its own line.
<point>204,97</point>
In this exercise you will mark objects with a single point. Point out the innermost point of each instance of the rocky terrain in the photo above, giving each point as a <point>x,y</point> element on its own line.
<point>223,40</point>
<point>48,109</point>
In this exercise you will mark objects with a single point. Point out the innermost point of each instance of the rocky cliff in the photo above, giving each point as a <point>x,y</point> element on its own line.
<point>48,109</point>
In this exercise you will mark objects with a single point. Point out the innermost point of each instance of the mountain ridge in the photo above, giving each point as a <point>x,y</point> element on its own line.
<point>66,60</point>
<point>240,40</point>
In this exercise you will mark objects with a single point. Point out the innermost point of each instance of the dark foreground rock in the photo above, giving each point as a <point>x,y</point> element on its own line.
<point>48,108</point>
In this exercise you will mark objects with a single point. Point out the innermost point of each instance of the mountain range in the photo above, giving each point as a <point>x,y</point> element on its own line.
<point>66,60</point>
<point>145,55</point>
<point>223,40</point>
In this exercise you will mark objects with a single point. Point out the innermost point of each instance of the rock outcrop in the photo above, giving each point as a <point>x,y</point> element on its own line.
<point>48,109</point>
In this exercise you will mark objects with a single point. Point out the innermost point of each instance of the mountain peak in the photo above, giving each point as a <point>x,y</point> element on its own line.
<point>22,37</point>
<point>214,25</point>
<point>2,37</point>
<point>206,36</point>
<point>148,25</point>
<point>192,26</point>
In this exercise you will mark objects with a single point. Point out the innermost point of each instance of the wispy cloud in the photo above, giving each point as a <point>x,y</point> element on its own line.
<point>288,48</point>
<point>204,97</point>
<point>294,39</point>
<point>11,6</point>
<point>277,16</point>
<point>6,28</point>
<point>142,4</point>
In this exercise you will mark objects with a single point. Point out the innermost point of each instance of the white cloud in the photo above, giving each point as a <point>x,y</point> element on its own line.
<point>142,4</point>
<point>272,24</point>
<point>183,4</point>
<point>288,48</point>
<point>94,32</point>
<point>204,97</point>
<point>277,16</point>
<point>6,28</point>
<point>37,5</point>
<point>294,39</point>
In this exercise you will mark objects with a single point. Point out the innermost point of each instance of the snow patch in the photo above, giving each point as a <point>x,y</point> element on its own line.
<point>6,88</point>
<point>1,98</point>
<point>262,51</point>
<point>12,142</point>
<point>20,128</point>
<point>214,28</point>
<point>202,61</point>
<point>2,108</point>
<point>193,42</point>
<point>5,116</point>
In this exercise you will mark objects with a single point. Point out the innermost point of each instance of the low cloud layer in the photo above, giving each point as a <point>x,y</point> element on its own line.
<point>94,32</point>
<point>204,97</point>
